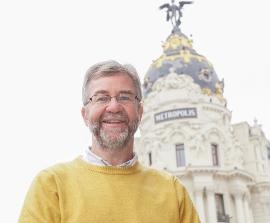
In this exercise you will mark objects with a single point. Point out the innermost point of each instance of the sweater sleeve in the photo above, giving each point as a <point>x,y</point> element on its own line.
<point>187,211</point>
<point>41,204</point>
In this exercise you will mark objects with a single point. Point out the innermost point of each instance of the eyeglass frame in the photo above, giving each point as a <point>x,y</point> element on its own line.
<point>116,98</point>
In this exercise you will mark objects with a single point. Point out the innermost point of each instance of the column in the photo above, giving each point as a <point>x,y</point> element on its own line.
<point>200,205</point>
<point>239,207</point>
<point>247,210</point>
<point>211,206</point>
<point>227,203</point>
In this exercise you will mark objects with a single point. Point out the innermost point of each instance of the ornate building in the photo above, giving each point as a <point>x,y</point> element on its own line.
<point>186,130</point>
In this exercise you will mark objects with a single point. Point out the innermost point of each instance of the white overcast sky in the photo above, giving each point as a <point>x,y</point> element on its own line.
<point>46,46</point>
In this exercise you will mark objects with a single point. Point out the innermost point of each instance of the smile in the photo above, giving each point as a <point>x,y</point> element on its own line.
<point>113,121</point>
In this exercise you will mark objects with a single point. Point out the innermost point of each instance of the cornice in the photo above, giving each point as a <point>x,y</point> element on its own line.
<point>260,186</point>
<point>215,171</point>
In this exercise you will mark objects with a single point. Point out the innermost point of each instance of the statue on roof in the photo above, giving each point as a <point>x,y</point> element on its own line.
<point>174,12</point>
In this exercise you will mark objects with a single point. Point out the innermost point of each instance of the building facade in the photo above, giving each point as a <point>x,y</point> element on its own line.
<point>186,130</point>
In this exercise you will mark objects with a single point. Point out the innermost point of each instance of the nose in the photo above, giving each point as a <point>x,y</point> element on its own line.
<point>114,106</point>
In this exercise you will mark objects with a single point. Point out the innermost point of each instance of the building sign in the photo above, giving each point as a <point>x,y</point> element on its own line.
<point>179,113</point>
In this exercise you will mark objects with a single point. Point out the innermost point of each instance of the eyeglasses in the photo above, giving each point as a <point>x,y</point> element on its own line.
<point>122,98</point>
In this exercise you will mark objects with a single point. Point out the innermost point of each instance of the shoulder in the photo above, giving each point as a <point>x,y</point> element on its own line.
<point>56,172</point>
<point>63,167</point>
<point>161,175</point>
<point>165,178</point>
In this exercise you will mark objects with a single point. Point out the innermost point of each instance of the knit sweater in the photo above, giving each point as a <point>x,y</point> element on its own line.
<point>78,192</point>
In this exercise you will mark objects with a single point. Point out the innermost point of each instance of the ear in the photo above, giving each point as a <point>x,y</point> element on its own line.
<point>84,115</point>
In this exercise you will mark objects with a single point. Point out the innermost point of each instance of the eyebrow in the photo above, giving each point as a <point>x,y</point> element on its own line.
<point>101,92</point>
<point>126,92</point>
<point>120,92</point>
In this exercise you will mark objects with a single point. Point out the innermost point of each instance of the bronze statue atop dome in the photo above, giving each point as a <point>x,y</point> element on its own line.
<point>174,13</point>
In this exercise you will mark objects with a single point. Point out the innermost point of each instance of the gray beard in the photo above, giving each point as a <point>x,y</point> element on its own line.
<point>115,143</point>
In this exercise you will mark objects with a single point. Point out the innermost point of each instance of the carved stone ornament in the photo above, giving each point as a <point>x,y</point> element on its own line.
<point>234,155</point>
<point>175,81</point>
<point>198,143</point>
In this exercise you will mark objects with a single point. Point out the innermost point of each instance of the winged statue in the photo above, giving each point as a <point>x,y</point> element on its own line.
<point>174,12</point>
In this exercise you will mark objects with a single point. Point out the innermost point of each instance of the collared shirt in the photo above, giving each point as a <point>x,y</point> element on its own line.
<point>92,158</point>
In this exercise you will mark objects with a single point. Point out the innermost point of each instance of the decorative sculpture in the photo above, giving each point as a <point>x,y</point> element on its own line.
<point>174,13</point>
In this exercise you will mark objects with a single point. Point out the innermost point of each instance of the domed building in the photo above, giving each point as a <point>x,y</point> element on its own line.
<point>186,130</point>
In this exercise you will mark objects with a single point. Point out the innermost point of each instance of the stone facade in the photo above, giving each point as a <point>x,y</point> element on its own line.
<point>225,166</point>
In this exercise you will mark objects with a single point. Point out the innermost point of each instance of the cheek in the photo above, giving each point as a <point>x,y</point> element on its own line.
<point>134,115</point>
<point>94,114</point>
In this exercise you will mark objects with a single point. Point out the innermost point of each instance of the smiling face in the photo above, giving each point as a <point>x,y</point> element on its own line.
<point>114,124</point>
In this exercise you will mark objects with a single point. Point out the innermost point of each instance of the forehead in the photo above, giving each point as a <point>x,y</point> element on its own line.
<point>112,83</point>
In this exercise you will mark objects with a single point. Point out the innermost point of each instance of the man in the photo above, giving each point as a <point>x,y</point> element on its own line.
<point>107,183</point>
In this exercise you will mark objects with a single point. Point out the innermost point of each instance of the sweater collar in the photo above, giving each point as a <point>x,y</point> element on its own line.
<point>94,159</point>
<point>111,170</point>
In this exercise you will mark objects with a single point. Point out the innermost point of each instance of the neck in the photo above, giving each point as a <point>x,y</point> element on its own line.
<point>113,156</point>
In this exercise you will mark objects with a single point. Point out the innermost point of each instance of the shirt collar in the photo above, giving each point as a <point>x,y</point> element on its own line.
<point>92,158</point>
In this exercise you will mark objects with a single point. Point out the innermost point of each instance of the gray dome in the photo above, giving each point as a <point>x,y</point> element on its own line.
<point>179,56</point>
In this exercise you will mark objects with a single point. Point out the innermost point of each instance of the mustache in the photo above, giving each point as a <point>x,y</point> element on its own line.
<point>114,116</point>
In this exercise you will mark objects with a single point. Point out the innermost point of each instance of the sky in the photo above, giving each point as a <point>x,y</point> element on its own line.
<point>46,46</point>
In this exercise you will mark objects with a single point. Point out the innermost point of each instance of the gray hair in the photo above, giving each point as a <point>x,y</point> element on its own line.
<point>109,68</point>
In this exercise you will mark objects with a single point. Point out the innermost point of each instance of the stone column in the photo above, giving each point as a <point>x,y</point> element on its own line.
<point>247,210</point>
<point>199,204</point>
<point>211,206</point>
<point>238,196</point>
<point>227,203</point>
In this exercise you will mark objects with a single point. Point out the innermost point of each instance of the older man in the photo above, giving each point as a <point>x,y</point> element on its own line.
<point>107,183</point>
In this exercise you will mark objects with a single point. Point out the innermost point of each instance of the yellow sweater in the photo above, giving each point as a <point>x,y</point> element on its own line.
<point>77,192</point>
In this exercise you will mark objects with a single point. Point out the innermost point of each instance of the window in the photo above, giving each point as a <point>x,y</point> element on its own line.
<point>221,216</point>
<point>214,150</point>
<point>268,153</point>
<point>180,155</point>
<point>150,158</point>
<point>205,74</point>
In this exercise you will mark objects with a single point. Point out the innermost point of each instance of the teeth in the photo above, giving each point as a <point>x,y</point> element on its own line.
<point>113,121</point>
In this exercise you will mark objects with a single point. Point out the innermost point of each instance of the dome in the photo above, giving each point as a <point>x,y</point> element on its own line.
<point>180,57</point>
